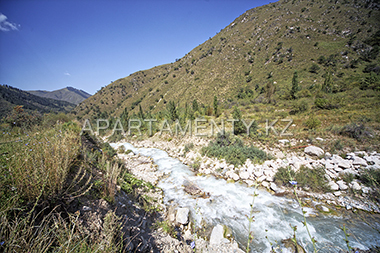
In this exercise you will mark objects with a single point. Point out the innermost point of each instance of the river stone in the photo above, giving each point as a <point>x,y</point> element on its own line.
<point>355,186</point>
<point>258,173</point>
<point>344,164</point>
<point>234,176</point>
<point>359,161</point>
<point>342,185</point>
<point>313,150</point>
<point>329,166</point>
<point>334,186</point>
<point>325,209</point>
<point>244,175</point>
<point>182,216</point>
<point>276,189</point>
<point>217,234</point>
<point>261,179</point>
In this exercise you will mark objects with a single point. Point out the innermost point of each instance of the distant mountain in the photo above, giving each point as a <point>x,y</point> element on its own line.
<point>10,97</point>
<point>68,94</point>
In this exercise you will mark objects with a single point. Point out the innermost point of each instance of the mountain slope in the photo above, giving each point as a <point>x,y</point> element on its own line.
<point>10,97</point>
<point>68,94</point>
<point>264,45</point>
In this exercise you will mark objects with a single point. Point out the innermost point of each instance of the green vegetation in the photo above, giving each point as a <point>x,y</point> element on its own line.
<point>232,149</point>
<point>47,169</point>
<point>314,178</point>
<point>11,97</point>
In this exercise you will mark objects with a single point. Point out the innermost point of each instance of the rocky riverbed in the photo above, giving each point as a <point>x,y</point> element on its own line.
<point>249,173</point>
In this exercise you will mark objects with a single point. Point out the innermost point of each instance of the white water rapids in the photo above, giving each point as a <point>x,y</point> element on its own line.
<point>229,204</point>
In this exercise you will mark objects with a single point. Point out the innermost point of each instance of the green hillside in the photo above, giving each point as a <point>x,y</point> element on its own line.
<point>10,97</point>
<point>333,46</point>
<point>68,94</point>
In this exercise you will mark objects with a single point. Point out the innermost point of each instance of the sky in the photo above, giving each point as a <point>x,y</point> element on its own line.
<point>86,44</point>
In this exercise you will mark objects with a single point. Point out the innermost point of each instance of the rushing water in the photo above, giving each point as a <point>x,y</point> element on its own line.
<point>229,204</point>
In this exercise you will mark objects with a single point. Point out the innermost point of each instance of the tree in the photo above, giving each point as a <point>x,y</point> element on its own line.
<point>195,105</point>
<point>215,106</point>
<point>270,89</point>
<point>295,87</point>
<point>141,112</point>
<point>328,83</point>
<point>239,127</point>
<point>124,116</point>
<point>172,111</point>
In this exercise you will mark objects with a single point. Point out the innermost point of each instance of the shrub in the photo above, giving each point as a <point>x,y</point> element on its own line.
<point>326,104</point>
<point>312,178</point>
<point>312,123</point>
<point>233,150</point>
<point>314,68</point>
<point>356,131</point>
<point>299,106</point>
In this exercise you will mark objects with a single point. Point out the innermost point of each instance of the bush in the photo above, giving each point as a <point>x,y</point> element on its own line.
<point>233,150</point>
<point>356,131</point>
<point>326,104</point>
<point>312,178</point>
<point>312,123</point>
<point>299,106</point>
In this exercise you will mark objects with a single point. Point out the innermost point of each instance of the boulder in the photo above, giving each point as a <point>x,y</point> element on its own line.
<point>342,185</point>
<point>344,164</point>
<point>276,189</point>
<point>182,216</point>
<point>244,175</point>
<point>234,176</point>
<point>329,166</point>
<point>355,186</point>
<point>217,235</point>
<point>334,186</point>
<point>194,190</point>
<point>314,151</point>
<point>359,161</point>
<point>258,173</point>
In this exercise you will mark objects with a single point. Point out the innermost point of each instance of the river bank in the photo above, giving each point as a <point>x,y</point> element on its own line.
<point>318,204</point>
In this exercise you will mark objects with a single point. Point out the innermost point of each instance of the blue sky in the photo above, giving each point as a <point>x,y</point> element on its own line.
<point>86,44</point>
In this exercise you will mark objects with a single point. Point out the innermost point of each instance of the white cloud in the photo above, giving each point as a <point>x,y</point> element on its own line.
<point>6,26</point>
<point>67,73</point>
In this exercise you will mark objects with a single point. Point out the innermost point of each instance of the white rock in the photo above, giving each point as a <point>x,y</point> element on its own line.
<point>258,173</point>
<point>327,155</point>
<point>244,175</point>
<point>261,179</point>
<point>275,188</point>
<point>182,216</point>
<point>265,184</point>
<point>319,139</point>
<point>338,193</point>
<point>355,186</point>
<point>284,141</point>
<point>313,150</point>
<point>333,186</point>
<point>86,208</point>
<point>325,209</point>
<point>342,185</point>
<point>359,161</point>
<point>250,183</point>
<point>234,176</point>
<point>329,166</point>
<point>344,164</point>
<point>217,234</point>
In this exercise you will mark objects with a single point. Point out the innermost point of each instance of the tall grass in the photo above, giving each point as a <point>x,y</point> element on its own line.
<point>37,162</point>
